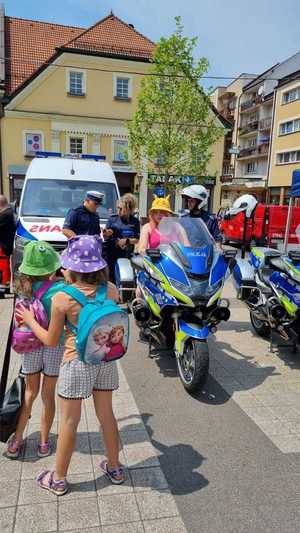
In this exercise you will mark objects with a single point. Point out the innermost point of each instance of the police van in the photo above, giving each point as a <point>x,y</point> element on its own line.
<point>55,183</point>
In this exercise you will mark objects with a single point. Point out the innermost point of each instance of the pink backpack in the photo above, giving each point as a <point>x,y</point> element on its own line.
<point>23,339</point>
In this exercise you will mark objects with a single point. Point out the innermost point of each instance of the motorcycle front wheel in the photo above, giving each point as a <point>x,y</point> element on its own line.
<point>262,329</point>
<point>193,365</point>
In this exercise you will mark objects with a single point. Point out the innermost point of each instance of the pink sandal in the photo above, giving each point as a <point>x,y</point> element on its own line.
<point>14,448</point>
<point>113,475</point>
<point>59,487</point>
<point>44,450</point>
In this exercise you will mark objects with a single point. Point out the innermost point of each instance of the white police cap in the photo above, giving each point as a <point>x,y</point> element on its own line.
<point>96,196</point>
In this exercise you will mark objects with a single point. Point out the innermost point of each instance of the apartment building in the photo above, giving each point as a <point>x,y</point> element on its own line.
<point>226,100</point>
<point>285,151</point>
<point>254,166</point>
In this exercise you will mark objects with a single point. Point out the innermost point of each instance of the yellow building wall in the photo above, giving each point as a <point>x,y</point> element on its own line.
<point>281,175</point>
<point>51,94</point>
<point>12,143</point>
<point>48,94</point>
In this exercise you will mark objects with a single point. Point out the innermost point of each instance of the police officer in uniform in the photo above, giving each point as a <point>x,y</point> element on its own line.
<point>196,197</point>
<point>84,220</point>
<point>122,232</point>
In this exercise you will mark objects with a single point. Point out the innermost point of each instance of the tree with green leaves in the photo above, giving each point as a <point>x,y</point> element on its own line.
<point>174,127</point>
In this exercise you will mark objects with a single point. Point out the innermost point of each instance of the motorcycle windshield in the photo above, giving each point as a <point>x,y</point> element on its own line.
<point>191,240</point>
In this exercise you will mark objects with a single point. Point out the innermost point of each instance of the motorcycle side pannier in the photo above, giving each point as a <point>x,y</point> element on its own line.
<point>243,278</point>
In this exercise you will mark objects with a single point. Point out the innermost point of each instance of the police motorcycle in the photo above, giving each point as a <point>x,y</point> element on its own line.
<point>124,275</point>
<point>180,285</point>
<point>269,284</point>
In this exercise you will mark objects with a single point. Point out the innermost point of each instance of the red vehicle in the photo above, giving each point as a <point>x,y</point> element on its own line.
<point>254,223</point>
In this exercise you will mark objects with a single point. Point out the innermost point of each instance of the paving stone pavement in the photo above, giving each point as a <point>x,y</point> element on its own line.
<point>143,504</point>
<point>265,385</point>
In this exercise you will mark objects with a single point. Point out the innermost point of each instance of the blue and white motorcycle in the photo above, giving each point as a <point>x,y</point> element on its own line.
<point>180,286</point>
<point>269,283</point>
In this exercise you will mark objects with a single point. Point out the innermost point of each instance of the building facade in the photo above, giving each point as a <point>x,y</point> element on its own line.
<point>76,101</point>
<point>71,90</point>
<point>285,152</point>
<point>257,136</point>
<point>227,101</point>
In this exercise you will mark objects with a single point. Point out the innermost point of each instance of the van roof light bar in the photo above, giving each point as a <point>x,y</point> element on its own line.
<point>92,157</point>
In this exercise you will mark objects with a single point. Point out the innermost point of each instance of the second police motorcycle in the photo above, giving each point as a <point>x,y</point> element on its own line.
<point>269,283</point>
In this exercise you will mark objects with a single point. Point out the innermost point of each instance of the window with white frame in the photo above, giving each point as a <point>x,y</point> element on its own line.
<point>76,82</point>
<point>251,168</point>
<point>33,142</point>
<point>120,149</point>
<point>291,96</point>
<point>76,144</point>
<point>291,156</point>
<point>122,87</point>
<point>291,126</point>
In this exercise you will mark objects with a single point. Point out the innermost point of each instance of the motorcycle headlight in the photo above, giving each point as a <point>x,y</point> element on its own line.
<point>181,287</point>
<point>153,273</point>
<point>20,242</point>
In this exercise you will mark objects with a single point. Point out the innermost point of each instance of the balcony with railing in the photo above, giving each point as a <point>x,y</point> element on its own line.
<point>249,127</point>
<point>227,175</point>
<point>265,124</point>
<point>259,150</point>
<point>250,104</point>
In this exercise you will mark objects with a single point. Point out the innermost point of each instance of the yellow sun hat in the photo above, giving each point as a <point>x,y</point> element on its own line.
<point>161,204</point>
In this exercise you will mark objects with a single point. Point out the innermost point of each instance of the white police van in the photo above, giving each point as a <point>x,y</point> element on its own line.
<point>55,183</point>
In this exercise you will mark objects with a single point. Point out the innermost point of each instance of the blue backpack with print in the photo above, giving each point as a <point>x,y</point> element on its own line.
<point>102,330</point>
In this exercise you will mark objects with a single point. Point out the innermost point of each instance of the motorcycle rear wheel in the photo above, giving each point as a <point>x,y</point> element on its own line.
<point>262,329</point>
<point>193,365</point>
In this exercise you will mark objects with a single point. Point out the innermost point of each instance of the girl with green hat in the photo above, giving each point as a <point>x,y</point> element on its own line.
<point>40,263</point>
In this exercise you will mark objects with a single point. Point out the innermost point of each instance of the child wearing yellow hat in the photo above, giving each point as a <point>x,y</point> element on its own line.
<point>150,236</point>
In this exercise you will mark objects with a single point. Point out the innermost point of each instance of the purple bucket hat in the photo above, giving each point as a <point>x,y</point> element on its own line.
<point>84,254</point>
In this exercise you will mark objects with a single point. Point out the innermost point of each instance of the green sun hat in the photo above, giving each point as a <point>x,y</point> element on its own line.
<point>39,259</point>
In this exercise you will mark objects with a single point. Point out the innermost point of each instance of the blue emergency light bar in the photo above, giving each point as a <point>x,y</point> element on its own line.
<point>93,157</point>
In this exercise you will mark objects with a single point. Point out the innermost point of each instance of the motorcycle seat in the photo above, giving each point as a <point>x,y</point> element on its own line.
<point>265,275</point>
<point>277,264</point>
<point>137,262</point>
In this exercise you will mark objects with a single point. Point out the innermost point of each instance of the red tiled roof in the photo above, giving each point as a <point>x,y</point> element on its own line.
<point>29,44</point>
<point>112,36</point>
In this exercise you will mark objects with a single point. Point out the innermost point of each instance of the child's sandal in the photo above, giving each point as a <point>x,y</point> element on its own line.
<point>57,487</point>
<point>44,450</point>
<point>14,448</point>
<point>113,475</point>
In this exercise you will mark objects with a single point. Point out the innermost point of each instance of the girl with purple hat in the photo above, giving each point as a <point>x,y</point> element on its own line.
<point>85,269</point>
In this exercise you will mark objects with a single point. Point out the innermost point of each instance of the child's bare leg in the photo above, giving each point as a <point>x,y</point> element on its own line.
<point>70,418</point>
<point>48,411</point>
<point>31,392</point>
<point>106,417</point>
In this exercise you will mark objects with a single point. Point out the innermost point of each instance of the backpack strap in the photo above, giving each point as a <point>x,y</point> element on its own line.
<point>43,289</point>
<point>101,294</point>
<point>76,294</point>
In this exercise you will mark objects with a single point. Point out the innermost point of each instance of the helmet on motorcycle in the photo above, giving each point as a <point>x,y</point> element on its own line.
<point>198,192</point>
<point>246,203</point>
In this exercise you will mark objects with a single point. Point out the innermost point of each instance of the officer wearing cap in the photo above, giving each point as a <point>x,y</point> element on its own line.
<point>84,220</point>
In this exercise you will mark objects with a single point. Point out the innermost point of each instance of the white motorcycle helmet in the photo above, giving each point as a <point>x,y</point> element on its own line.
<point>198,192</point>
<point>246,203</point>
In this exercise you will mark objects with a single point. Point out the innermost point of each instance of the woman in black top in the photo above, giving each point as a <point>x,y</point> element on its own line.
<point>122,232</point>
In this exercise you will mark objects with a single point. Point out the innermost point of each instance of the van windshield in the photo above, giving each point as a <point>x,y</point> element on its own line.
<point>54,198</point>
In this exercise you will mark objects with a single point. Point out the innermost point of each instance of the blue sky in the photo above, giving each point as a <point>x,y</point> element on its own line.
<point>235,35</point>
